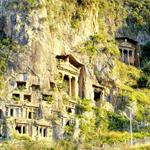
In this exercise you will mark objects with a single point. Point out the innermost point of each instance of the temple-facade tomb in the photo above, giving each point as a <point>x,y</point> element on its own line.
<point>129,50</point>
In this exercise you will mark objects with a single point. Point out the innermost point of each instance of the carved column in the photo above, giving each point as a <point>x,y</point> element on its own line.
<point>122,55</point>
<point>76,87</point>
<point>21,129</point>
<point>128,58</point>
<point>8,111</point>
<point>19,112</point>
<point>102,97</point>
<point>70,86</point>
<point>39,133</point>
<point>62,76</point>
<point>27,113</point>
<point>15,112</point>
<point>133,59</point>
<point>42,132</point>
<point>32,114</point>
<point>27,129</point>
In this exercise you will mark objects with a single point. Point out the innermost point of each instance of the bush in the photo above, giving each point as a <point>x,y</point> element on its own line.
<point>120,123</point>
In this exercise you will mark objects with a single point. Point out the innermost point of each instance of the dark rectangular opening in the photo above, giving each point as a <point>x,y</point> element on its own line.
<point>30,115</point>
<point>21,84</point>
<point>1,114</point>
<point>45,132</point>
<point>69,110</point>
<point>46,97</point>
<point>130,53</point>
<point>66,83</point>
<point>35,87</point>
<point>73,86</point>
<point>18,128</point>
<point>16,97</point>
<point>11,112</point>
<point>97,95</point>
<point>52,85</point>
<point>24,129</point>
<point>27,98</point>
<point>40,130</point>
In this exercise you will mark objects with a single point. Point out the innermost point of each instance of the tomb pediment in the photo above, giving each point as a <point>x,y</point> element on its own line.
<point>70,59</point>
<point>68,63</point>
<point>68,67</point>
<point>126,44</point>
<point>42,122</point>
<point>21,121</point>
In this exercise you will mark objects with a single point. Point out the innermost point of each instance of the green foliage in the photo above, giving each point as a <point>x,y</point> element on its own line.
<point>139,12</point>
<point>128,75</point>
<point>21,88</point>
<point>31,1</point>
<point>86,104</point>
<point>76,18</point>
<point>21,137</point>
<point>48,98</point>
<point>62,84</point>
<point>69,131</point>
<point>15,98</point>
<point>87,3</point>
<point>146,50</point>
<point>144,80</point>
<point>7,46</point>
<point>141,147</point>
<point>65,99</point>
<point>79,109</point>
<point>22,5</point>
<point>25,143</point>
<point>101,118</point>
<point>113,137</point>
<point>63,145</point>
<point>120,123</point>
<point>138,17</point>
<point>98,44</point>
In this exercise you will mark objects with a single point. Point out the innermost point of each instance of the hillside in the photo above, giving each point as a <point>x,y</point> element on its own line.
<point>74,73</point>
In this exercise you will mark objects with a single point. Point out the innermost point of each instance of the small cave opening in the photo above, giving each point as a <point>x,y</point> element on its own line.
<point>35,87</point>
<point>97,95</point>
<point>68,123</point>
<point>66,83</point>
<point>69,110</point>
<point>1,114</point>
<point>45,132</point>
<point>15,96</point>
<point>21,84</point>
<point>11,112</point>
<point>18,128</point>
<point>27,98</point>
<point>52,85</point>
<point>30,115</point>
<point>24,129</point>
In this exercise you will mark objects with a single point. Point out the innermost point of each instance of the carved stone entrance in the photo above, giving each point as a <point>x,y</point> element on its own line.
<point>69,68</point>
<point>129,51</point>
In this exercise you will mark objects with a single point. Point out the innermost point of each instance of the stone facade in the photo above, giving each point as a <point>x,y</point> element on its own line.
<point>39,112</point>
<point>129,50</point>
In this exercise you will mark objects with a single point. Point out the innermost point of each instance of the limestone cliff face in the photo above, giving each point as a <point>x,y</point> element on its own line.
<point>44,30</point>
<point>67,65</point>
<point>44,33</point>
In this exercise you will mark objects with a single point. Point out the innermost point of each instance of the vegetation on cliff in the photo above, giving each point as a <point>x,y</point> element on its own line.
<point>109,122</point>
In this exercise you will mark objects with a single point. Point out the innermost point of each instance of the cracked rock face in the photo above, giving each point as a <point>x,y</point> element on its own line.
<point>44,37</point>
